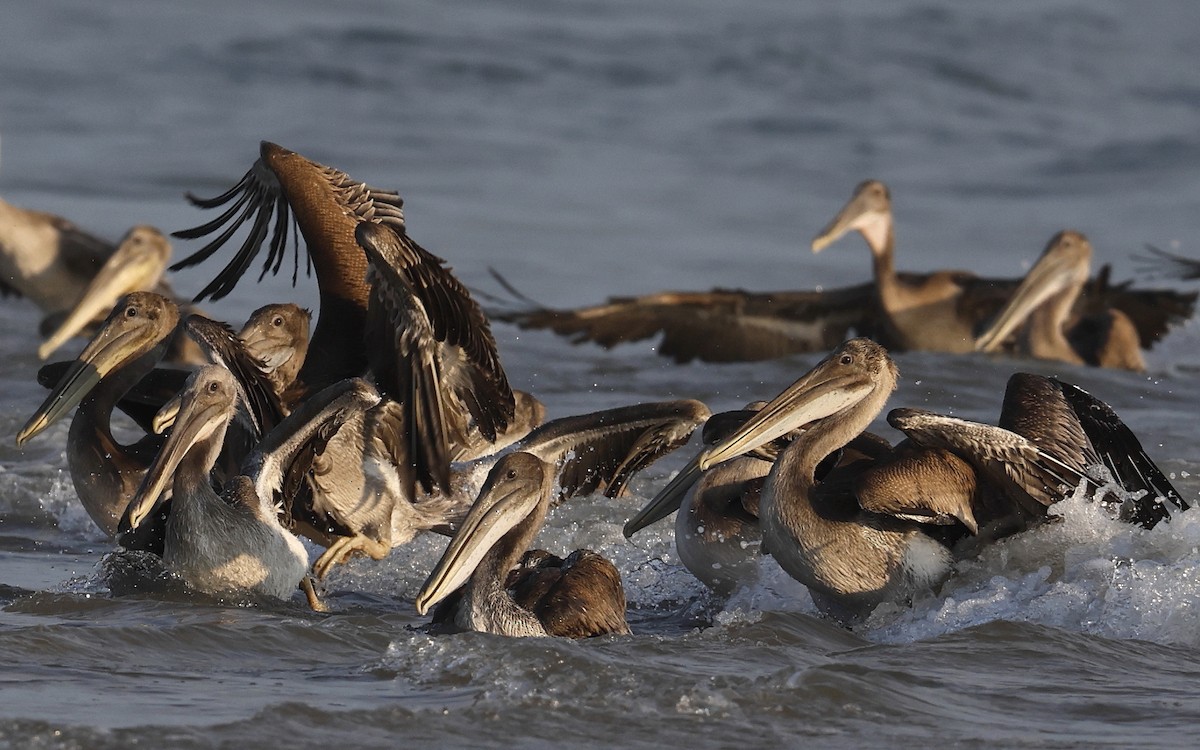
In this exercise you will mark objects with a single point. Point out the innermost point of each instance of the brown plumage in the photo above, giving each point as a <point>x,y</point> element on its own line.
<point>1040,311</point>
<point>939,311</point>
<point>587,599</point>
<point>874,530</point>
<point>327,204</point>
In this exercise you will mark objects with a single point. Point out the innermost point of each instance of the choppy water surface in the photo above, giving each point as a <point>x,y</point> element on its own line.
<point>600,148</point>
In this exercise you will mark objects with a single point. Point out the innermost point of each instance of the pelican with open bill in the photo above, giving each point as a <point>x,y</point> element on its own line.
<point>1041,308</point>
<point>586,600</point>
<point>235,540</point>
<point>881,530</point>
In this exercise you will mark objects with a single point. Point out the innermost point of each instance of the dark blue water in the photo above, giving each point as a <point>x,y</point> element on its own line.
<point>598,148</point>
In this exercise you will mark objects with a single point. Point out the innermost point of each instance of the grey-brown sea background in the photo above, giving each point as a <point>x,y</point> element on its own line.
<point>595,148</point>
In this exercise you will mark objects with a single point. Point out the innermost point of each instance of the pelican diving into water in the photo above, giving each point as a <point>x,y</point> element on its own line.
<point>585,599</point>
<point>876,531</point>
<point>235,540</point>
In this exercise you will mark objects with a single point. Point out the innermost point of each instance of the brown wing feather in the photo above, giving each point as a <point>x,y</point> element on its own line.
<point>587,600</point>
<point>723,325</point>
<point>927,486</point>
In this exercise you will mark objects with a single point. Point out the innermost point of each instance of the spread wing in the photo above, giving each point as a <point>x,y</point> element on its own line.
<point>605,449</point>
<point>723,325</point>
<point>1120,450</point>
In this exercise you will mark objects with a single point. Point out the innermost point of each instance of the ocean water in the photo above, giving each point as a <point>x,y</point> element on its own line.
<point>588,149</point>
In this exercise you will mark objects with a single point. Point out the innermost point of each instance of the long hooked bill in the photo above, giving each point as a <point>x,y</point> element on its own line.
<point>195,420</point>
<point>103,354</point>
<point>492,516</point>
<point>813,397</point>
<point>137,264</point>
<point>668,499</point>
<point>852,216</point>
<point>1052,274</point>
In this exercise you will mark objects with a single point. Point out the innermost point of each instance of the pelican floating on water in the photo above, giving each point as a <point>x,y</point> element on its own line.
<point>117,368</point>
<point>133,339</point>
<point>47,258</point>
<point>235,540</point>
<point>1043,303</point>
<point>870,531</point>
<point>585,598</point>
<point>937,311</point>
<point>717,532</point>
<point>137,265</point>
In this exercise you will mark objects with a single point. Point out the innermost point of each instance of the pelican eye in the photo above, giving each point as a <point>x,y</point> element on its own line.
<point>277,321</point>
<point>213,387</point>
<point>512,474</point>
<point>131,312</point>
<point>847,359</point>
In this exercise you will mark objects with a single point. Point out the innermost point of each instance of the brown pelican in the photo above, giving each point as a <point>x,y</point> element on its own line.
<point>357,483</point>
<point>1044,301</point>
<point>47,258</point>
<point>277,334</point>
<point>409,319</point>
<point>717,534</point>
<point>921,312</point>
<point>133,339</point>
<point>938,311</point>
<point>431,347</point>
<point>119,360</point>
<point>869,532</point>
<point>327,205</point>
<point>137,265</point>
<point>722,325</point>
<point>587,599</point>
<point>235,540</point>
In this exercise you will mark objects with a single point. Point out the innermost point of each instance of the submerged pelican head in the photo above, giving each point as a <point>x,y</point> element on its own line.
<point>869,211</point>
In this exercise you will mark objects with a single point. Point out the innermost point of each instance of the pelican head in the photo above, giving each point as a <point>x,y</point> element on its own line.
<point>1063,267</point>
<point>137,265</point>
<point>278,335</point>
<point>202,411</point>
<point>514,498</point>
<point>858,374</point>
<point>869,211</point>
<point>139,322</point>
